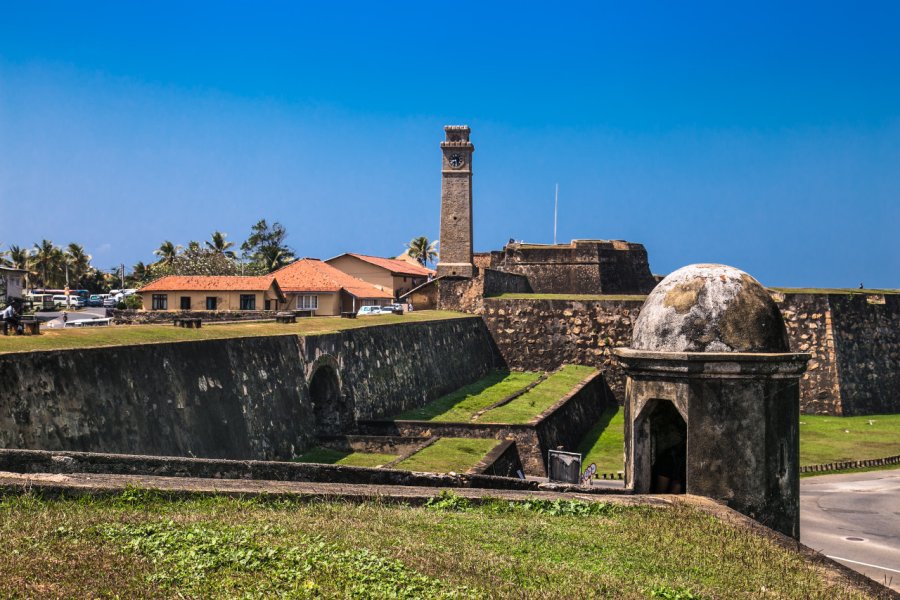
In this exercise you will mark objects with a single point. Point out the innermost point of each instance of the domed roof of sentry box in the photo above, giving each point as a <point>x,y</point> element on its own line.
<point>710,308</point>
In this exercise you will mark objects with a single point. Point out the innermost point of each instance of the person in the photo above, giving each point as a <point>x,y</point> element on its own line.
<point>409,307</point>
<point>9,316</point>
<point>65,318</point>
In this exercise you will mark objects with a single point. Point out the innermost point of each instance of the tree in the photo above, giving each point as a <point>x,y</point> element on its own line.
<point>79,263</point>
<point>18,257</point>
<point>167,252</point>
<point>219,245</point>
<point>140,273</point>
<point>47,262</point>
<point>193,246</point>
<point>422,250</point>
<point>266,246</point>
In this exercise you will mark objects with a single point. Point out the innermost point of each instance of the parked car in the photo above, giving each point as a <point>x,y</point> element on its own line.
<point>396,309</point>
<point>94,300</point>
<point>369,310</point>
<point>111,301</point>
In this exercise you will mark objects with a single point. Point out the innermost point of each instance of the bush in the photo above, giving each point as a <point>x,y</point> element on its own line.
<point>121,306</point>
<point>133,301</point>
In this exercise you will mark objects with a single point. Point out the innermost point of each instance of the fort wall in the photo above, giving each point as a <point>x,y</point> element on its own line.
<point>854,341</point>
<point>240,398</point>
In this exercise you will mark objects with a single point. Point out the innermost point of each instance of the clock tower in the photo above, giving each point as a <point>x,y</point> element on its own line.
<point>456,203</point>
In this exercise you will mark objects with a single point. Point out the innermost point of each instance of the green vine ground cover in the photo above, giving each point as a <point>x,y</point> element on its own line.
<point>464,403</point>
<point>539,398</point>
<point>139,545</point>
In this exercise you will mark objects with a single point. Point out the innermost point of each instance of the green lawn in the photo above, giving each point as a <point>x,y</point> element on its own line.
<point>449,454</point>
<point>585,297</point>
<point>461,405</point>
<point>604,444</point>
<point>124,335</point>
<point>826,439</point>
<point>328,456</point>
<point>137,545</point>
<point>539,398</point>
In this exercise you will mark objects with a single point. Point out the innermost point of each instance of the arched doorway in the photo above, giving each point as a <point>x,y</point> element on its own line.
<point>661,448</point>
<point>334,415</point>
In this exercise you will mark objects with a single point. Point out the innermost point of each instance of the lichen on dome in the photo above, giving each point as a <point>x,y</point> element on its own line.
<point>710,308</point>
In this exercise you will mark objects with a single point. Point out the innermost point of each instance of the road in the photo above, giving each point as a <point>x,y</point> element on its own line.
<point>855,520</point>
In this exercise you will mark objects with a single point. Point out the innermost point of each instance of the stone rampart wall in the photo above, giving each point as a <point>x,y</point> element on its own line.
<point>240,398</point>
<point>542,335</point>
<point>867,337</point>
<point>854,341</point>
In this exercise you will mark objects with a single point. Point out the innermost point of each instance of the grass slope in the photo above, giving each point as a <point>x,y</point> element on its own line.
<point>449,454</point>
<point>826,439</point>
<point>461,405</point>
<point>604,444</point>
<point>124,335</point>
<point>329,456</point>
<point>139,546</point>
<point>539,398</point>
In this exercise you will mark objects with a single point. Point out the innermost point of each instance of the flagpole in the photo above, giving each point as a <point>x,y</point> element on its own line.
<point>555,209</point>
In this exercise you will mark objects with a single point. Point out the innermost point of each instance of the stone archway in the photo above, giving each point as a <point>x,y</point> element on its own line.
<point>333,412</point>
<point>660,448</point>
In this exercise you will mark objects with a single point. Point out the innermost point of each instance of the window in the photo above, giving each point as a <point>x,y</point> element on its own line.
<point>160,302</point>
<point>185,303</point>
<point>308,302</point>
<point>248,301</point>
<point>211,303</point>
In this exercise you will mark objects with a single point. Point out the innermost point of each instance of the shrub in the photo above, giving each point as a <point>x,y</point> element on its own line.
<point>133,301</point>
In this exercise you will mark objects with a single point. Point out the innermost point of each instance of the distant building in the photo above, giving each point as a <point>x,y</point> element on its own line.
<point>12,283</point>
<point>392,275</point>
<point>311,284</point>
<point>204,292</point>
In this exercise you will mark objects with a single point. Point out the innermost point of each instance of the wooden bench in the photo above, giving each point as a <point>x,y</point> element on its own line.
<point>29,326</point>
<point>187,322</point>
<point>285,317</point>
<point>348,315</point>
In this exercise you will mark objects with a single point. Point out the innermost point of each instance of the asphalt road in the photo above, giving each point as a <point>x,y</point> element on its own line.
<point>855,520</point>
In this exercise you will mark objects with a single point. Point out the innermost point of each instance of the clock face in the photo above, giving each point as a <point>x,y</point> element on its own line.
<point>456,161</point>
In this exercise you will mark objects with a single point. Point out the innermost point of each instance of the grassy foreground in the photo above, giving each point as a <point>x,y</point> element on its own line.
<point>539,398</point>
<point>461,405</point>
<point>124,335</point>
<point>140,546</point>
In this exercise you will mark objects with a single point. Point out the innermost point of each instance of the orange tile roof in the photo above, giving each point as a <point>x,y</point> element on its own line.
<point>393,265</point>
<point>212,283</point>
<point>313,275</point>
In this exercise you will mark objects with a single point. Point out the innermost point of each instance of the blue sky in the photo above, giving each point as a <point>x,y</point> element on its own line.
<point>762,135</point>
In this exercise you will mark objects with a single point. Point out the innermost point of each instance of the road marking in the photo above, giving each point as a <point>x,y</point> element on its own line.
<point>863,564</point>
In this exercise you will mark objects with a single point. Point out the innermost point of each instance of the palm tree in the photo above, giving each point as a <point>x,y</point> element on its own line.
<point>219,246</point>
<point>273,257</point>
<point>17,257</point>
<point>422,250</point>
<point>79,263</point>
<point>167,252</point>
<point>193,247</point>
<point>48,262</point>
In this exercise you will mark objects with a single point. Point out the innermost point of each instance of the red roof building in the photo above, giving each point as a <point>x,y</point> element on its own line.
<point>391,275</point>
<point>206,292</point>
<point>311,284</point>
